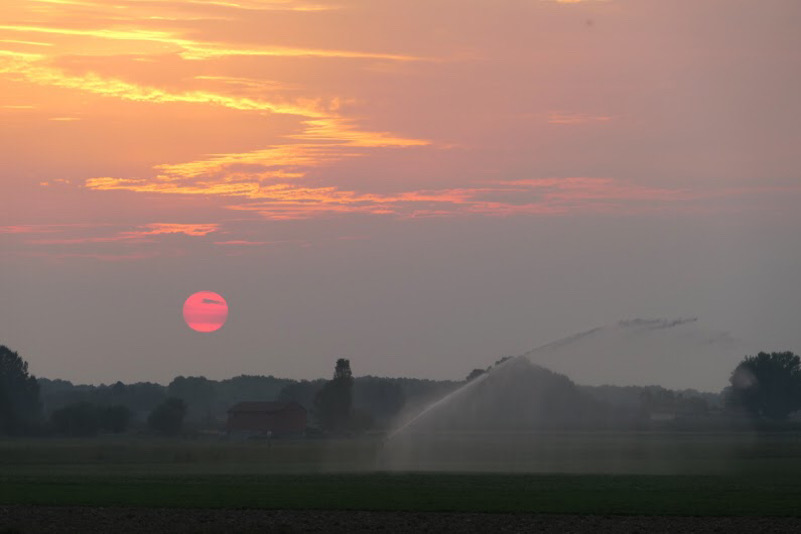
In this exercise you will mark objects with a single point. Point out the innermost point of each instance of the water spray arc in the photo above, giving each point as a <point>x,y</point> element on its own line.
<point>639,334</point>
<point>509,418</point>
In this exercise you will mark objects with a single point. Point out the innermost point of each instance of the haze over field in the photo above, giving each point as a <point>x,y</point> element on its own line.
<point>420,187</point>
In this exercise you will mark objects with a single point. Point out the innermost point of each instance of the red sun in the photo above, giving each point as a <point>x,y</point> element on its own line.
<point>205,311</point>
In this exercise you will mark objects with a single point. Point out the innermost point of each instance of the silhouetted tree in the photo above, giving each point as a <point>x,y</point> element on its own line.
<point>87,419</point>
<point>692,405</point>
<point>20,406</point>
<point>168,417</point>
<point>381,398</point>
<point>115,418</point>
<point>475,373</point>
<point>144,396</point>
<point>658,400</point>
<point>332,404</point>
<point>77,419</point>
<point>303,392</point>
<point>766,385</point>
<point>502,360</point>
<point>140,398</point>
<point>198,393</point>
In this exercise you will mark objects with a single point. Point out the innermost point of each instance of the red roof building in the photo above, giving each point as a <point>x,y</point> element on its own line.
<point>273,419</point>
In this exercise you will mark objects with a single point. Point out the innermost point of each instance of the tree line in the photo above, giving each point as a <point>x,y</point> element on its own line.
<point>190,403</point>
<point>765,386</point>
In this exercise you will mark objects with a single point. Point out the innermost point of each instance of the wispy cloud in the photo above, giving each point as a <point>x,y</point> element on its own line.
<point>262,174</point>
<point>192,49</point>
<point>81,3</point>
<point>271,182</point>
<point>503,198</point>
<point>194,230</point>
<point>28,43</point>
<point>142,233</point>
<point>534,196</point>
<point>28,67</point>
<point>244,5</point>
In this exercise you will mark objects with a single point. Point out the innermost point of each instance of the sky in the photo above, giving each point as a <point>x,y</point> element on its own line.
<point>419,186</point>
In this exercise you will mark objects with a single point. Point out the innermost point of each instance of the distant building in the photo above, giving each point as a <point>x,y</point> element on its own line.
<point>266,419</point>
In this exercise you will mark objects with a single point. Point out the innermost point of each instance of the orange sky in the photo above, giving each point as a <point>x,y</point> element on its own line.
<point>139,131</point>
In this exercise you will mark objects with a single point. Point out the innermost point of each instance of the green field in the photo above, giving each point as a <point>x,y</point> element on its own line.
<point>625,473</point>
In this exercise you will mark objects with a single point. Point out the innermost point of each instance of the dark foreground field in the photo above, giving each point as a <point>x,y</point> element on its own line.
<point>165,520</point>
<point>598,483</point>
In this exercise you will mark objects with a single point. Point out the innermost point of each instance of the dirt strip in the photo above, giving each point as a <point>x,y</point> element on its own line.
<point>34,519</point>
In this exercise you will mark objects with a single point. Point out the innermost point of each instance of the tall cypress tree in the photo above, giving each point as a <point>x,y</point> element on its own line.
<point>332,405</point>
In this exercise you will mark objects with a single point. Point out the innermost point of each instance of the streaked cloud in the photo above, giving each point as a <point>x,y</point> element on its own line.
<point>200,50</point>
<point>261,174</point>
<point>247,5</point>
<point>66,2</point>
<point>28,68</point>
<point>29,43</point>
<point>194,230</point>
<point>554,196</point>
<point>141,233</point>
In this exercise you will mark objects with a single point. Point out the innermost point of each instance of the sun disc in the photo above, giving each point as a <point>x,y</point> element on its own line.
<point>205,311</point>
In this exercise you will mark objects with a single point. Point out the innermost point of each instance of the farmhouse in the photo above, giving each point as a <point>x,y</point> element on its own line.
<point>265,419</point>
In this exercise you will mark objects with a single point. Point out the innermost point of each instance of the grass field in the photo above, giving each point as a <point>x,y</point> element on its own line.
<point>683,474</point>
<point>566,494</point>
